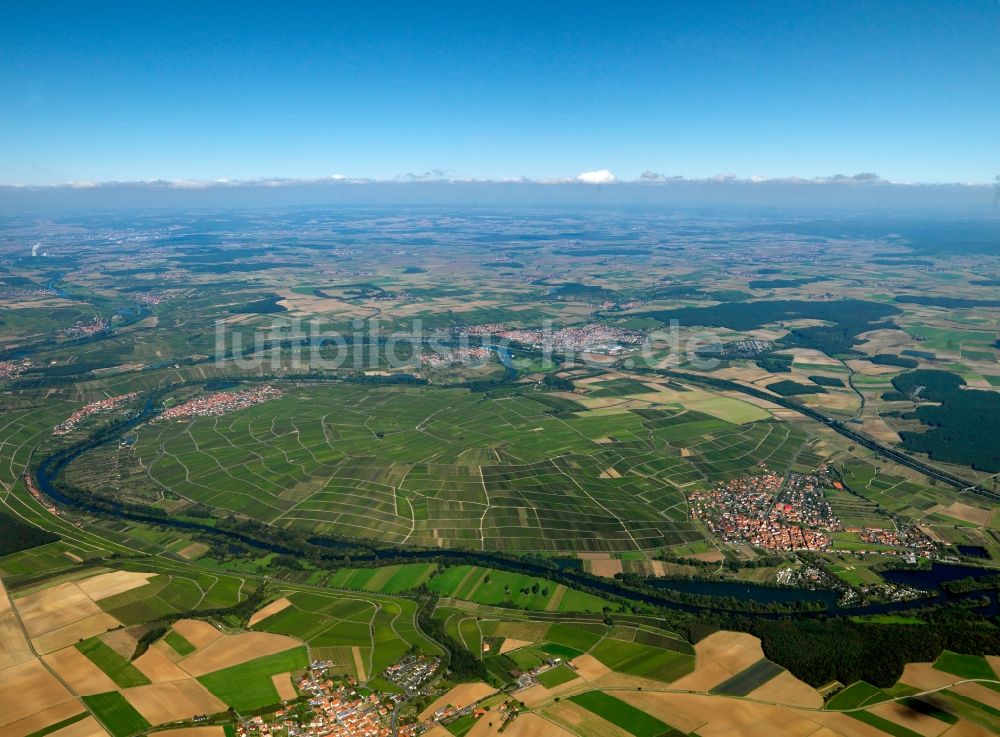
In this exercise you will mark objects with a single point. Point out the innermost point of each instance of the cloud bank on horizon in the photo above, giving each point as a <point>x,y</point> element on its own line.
<point>443,176</point>
<point>857,194</point>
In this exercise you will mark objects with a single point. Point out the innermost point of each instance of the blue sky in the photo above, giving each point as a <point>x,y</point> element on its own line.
<point>174,90</point>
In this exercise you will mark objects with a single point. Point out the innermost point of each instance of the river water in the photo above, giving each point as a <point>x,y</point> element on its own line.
<point>929,579</point>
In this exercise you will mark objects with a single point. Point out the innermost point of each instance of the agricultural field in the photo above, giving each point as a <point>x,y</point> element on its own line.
<point>249,686</point>
<point>361,635</point>
<point>494,587</point>
<point>622,714</point>
<point>164,600</point>
<point>520,641</point>
<point>444,467</point>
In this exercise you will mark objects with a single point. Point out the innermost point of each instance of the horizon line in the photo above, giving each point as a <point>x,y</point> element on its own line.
<point>597,177</point>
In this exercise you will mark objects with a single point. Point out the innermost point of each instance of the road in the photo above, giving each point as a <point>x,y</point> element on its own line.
<point>897,456</point>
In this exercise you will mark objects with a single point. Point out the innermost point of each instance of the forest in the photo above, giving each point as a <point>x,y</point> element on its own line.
<point>962,423</point>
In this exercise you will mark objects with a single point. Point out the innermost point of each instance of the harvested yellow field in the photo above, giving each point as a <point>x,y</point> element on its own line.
<point>95,624</point>
<point>880,341</point>
<point>359,663</point>
<point>810,356</point>
<point>712,556</point>
<point>196,632</point>
<point>283,685</point>
<point>787,689</point>
<point>55,607</point>
<point>589,668</point>
<point>538,694</point>
<point>980,693</point>
<point>229,650</point>
<point>968,513</point>
<point>871,369</point>
<point>192,732</point>
<point>88,727</point>
<point>720,716</point>
<point>924,677</point>
<point>273,608</point>
<point>460,697</point>
<point>158,667</point>
<point>122,641</point>
<point>28,689</point>
<point>14,648</point>
<point>556,598</point>
<point>876,427</point>
<point>79,672</point>
<point>718,657</point>
<point>104,585</point>
<point>578,721</point>
<point>526,725</point>
<point>511,644</point>
<point>43,719</point>
<point>169,702</point>
<point>913,720</point>
<point>846,729</point>
<point>192,551</point>
<point>967,729</point>
<point>607,568</point>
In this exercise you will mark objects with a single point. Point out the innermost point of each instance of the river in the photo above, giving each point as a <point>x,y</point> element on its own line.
<point>928,579</point>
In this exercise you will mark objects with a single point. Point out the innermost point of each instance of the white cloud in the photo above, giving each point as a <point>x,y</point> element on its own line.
<point>443,176</point>
<point>601,176</point>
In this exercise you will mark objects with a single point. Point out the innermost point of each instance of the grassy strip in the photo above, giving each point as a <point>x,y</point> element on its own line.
<point>897,730</point>
<point>859,693</point>
<point>622,715</point>
<point>59,725</point>
<point>119,670</point>
<point>179,644</point>
<point>966,666</point>
<point>117,714</point>
<point>749,678</point>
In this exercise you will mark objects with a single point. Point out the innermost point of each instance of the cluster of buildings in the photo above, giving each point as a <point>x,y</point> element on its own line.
<point>768,511</point>
<point>530,678</point>
<point>389,296</point>
<point>104,405</point>
<point>150,298</point>
<point>412,671</point>
<point>592,338</point>
<point>619,306</point>
<point>341,272</point>
<point>486,329</point>
<point>16,293</point>
<point>220,403</point>
<point>909,537</point>
<point>448,357</point>
<point>337,707</point>
<point>86,329</point>
<point>747,348</point>
<point>29,482</point>
<point>13,369</point>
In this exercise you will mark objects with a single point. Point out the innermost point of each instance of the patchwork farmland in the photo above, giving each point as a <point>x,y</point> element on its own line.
<point>446,467</point>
